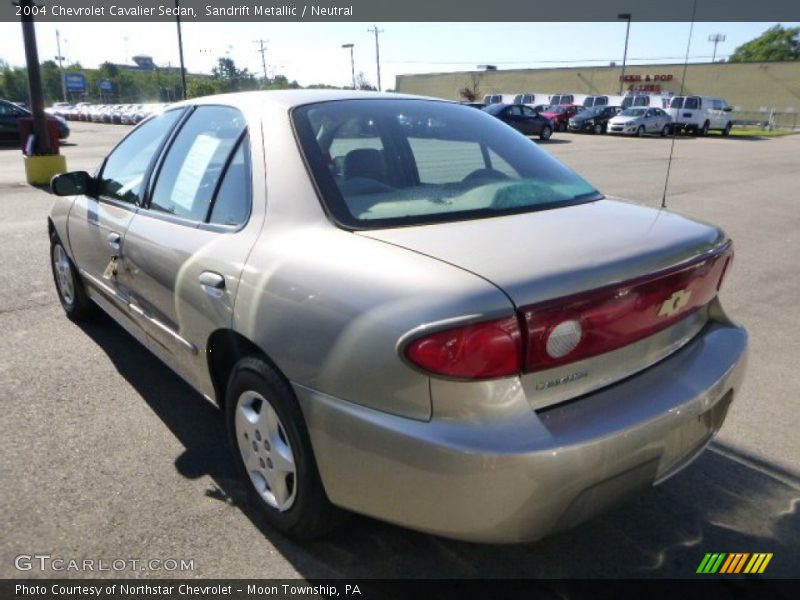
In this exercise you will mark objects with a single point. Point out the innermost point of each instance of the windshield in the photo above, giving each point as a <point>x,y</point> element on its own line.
<point>590,112</point>
<point>633,112</point>
<point>384,163</point>
<point>556,110</point>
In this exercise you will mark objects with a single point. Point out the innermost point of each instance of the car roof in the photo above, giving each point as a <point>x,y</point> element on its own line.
<point>292,98</point>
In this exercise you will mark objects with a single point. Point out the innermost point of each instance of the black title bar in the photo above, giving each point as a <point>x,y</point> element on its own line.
<point>404,10</point>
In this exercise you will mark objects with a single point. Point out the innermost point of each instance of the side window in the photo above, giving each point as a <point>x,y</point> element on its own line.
<point>528,111</point>
<point>692,102</point>
<point>515,111</point>
<point>193,166</point>
<point>125,168</point>
<point>232,202</point>
<point>445,161</point>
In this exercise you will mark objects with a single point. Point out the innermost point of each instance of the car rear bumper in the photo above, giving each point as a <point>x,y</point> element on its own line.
<point>522,477</point>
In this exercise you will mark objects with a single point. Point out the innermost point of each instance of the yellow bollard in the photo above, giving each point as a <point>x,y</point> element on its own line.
<point>40,169</point>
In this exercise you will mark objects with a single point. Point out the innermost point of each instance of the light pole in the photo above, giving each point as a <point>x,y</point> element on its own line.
<point>627,17</point>
<point>352,63</point>
<point>60,60</point>
<point>716,38</point>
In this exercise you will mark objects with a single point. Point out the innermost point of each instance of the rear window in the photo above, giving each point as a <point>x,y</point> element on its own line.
<point>385,163</point>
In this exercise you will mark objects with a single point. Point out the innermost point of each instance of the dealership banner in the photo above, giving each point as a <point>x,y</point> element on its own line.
<point>394,10</point>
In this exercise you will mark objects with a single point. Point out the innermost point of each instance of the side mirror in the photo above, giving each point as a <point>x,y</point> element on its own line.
<point>728,109</point>
<point>72,184</point>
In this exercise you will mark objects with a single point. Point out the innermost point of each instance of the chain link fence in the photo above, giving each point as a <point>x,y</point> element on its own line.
<point>767,118</point>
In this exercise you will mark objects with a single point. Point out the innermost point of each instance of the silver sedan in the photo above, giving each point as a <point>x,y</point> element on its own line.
<point>405,309</point>
<point>641,120</point>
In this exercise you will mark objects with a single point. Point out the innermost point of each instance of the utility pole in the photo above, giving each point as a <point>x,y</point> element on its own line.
<point>42,138</point>
<point>716,38</point>
<point>377,31</point>
<point>625,16</point>
<point>262,49</point>
<point>60,58</point>
<point>180,47</point>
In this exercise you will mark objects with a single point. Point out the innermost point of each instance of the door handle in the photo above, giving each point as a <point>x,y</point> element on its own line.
<point>113,240</point>
<point>213,280</point>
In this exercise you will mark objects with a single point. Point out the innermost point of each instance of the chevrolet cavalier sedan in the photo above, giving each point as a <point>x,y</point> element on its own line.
<point>436,325</point>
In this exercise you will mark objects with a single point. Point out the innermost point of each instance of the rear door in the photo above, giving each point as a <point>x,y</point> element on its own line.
<point>185,250</point>
<point>533,124</point>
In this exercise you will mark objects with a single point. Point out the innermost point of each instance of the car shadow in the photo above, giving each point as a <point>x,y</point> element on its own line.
<point>551,141</point>
<point>726,501</point>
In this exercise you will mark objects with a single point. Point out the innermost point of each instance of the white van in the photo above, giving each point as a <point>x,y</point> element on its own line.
<point>700,114</point>
<point>590,101</point>
<point>531,98</point>
<point>655,100</point>
<point>566,99</point>
<point>500,99</point>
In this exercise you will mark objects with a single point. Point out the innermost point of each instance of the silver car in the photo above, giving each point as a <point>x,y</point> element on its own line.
<point>405,309</point>
<point>640,120</point>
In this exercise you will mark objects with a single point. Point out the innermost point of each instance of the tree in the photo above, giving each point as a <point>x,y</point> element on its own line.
<point>232,79</point>
<point>775,44</point>
<point>363,84</point>
<point>472,91</point>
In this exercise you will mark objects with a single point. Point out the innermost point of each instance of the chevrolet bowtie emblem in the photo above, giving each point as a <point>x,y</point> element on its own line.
<point>674,303</point>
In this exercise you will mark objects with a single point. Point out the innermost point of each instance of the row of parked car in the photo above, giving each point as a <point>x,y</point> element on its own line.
<point>124,114</point>
<point>632,114</point>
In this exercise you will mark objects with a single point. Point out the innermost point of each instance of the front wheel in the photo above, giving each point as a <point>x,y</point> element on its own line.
<point>666,130</point>
<point>640,131</point>
<point>545,133</point>
<point>69,287</point>
<point>273,454</point>
<point>598,128</point>
<point>728,126</point>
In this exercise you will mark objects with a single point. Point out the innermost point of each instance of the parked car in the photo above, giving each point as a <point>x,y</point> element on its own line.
<point>700,114</point>
<point>461,335</point>
<point>474,104</point>
<point>594,119</point>
<point>10,115</point>
<point>640,120</point>
<point>560,115</point>
<point>522,118</point>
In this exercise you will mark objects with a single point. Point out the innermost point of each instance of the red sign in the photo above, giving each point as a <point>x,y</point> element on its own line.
<point>647,78</point>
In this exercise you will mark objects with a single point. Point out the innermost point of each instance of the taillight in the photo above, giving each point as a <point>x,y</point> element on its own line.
<point>572,328</point>
<point>576,327</point>
<point>477,351</point>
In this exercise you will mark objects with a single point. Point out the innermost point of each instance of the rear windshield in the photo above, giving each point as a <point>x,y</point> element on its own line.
<point>386,163</point>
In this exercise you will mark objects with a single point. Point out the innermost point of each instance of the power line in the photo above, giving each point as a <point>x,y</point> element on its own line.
<point>528,62</point>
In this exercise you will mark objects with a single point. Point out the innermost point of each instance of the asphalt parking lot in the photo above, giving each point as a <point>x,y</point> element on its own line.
<point>107,454</point>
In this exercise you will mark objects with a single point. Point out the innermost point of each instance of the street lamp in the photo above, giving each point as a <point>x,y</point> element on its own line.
<point>716,38</point>
<point>352,63</point>
<point>626,17</point>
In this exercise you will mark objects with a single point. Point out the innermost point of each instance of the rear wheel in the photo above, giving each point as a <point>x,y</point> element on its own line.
<point>546,132</point>
<point>666,130</point>
<point>273,454</point>
<point>704,129</point>
<point>71,293</point>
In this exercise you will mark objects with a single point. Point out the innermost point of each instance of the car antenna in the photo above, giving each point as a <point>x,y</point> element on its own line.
<point>674,129</point>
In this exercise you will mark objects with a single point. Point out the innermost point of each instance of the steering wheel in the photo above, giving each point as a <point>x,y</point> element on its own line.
<point>485,175</point>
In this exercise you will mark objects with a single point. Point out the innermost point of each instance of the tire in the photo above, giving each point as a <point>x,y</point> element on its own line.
<point>704,130</point>
<point>597,129</point>
<point>272,452</point>
<point>69,287</point>
<point>640,131</point>
<point>545,133</point>
<point>665,131</point>
<point>728,126</point>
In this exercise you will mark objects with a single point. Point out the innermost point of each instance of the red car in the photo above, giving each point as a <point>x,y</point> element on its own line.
<point>560,115</point>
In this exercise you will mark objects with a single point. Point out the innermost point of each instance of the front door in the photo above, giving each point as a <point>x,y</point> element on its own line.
<point>97,224</point>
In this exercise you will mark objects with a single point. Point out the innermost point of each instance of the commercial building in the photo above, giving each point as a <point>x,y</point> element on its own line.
<point>763,86</point>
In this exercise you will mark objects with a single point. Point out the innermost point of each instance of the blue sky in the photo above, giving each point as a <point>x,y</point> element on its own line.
<point>312,53</point>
